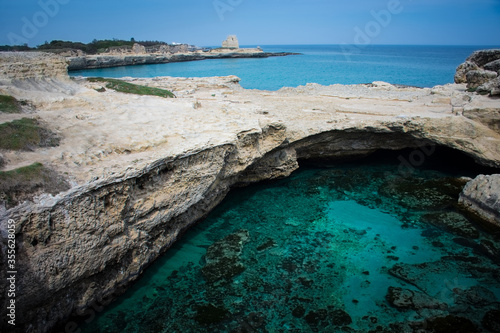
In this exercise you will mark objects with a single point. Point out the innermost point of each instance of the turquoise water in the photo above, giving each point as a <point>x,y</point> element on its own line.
<point>329,249</point>
<point>421,66</point>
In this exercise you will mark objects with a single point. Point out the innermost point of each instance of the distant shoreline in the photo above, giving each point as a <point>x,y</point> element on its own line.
<point>109,61</point>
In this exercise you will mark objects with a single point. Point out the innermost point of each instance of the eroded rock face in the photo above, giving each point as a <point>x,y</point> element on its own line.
<point>31,66</point>
<point>482,197</point>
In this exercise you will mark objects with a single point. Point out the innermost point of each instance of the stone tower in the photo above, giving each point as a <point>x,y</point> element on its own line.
<point>231,42</point>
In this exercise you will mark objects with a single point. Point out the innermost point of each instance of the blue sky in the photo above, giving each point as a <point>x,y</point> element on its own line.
<point>255,22</point>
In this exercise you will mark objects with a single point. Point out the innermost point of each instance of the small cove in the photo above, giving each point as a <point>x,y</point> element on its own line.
<point>330,248</point>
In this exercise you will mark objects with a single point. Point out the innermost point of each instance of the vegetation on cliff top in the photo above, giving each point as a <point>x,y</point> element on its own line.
<point>9,104</point>
<point>130,88</point>
<point>25,134</point>
<point>94,47</point>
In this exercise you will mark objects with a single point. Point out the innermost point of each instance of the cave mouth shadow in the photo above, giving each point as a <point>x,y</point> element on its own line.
<point>438,158</point>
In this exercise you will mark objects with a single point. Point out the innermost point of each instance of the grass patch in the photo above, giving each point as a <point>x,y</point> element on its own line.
<point>23,183</point>
<point>9,104</point>
<point>130,88</point>
<point>25,134</point>
<point>23,173</point>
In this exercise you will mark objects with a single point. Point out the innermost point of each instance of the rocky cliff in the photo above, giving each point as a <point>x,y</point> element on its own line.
<point>106,61</point>
<point>31,66</point>
<point>481,72</point>
<point>143,169</point>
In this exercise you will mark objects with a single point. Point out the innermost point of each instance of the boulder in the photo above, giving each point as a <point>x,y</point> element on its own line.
<point>491,87</point>
<point>462,69</point>
<point>479,71</point>
<point>479,77</point>
<point>481,196</point>
<point>493,66</point>
<point>483,57</point>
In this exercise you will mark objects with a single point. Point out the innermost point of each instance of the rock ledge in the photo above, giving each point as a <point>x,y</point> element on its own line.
<point>482,197</point>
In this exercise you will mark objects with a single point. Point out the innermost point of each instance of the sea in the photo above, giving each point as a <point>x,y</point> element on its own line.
<point>420,66</point>
<point>357,246</point>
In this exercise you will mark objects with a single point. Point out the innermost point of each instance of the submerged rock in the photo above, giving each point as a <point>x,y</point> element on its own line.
<point>323,318</point>
<point>491,320</point>
<point>453,223</point>
<point>451,323</point>
<point>298,312</point>
<point>412,299</point>
<point>223,258</point>
<point>210,314</point>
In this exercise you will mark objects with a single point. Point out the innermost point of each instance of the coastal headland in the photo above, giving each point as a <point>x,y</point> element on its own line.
<point>107,61</point>
<point>121,176</point>
<point>138,54</point>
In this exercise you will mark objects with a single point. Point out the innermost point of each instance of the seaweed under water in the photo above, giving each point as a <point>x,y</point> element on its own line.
<point>348,248</point>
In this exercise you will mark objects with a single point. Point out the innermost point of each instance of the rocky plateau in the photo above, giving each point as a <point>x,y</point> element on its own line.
<point>143,169</point>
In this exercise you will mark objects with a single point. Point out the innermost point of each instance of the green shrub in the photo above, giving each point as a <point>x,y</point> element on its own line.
<point>130,88</point>
<point>9,104</point>
<point>25,134</point>
<point>22,174</point>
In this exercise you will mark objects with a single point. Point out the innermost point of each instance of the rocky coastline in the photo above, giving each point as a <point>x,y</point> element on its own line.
<point>142,169</point>
<point>481,72</point>
<point>107,61</point>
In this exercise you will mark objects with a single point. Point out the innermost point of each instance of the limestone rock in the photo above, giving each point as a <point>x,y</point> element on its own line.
<point>483,57</point>
<point>486,116</point>
<point>479,71</point>
<point>463,69</point>
<point>493,66</point>
<point>482,197</point>
<point>16,66</point>
<point>231,42</point>
<point>2,160</point>
<point>491,87</point>
<point>479,77</point>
